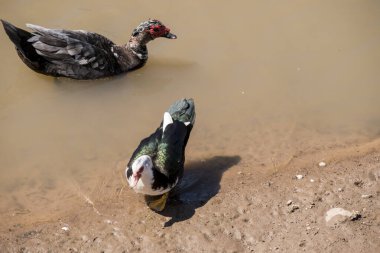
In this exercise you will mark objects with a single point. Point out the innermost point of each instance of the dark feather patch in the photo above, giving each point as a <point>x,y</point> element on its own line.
<point>52,41</point>
<point>80,49</point>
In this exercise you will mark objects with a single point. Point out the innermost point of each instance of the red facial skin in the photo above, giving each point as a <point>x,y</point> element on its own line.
<point>158,31</point>
<point>137,175</point>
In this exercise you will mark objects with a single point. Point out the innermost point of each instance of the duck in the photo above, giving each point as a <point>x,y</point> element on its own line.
<point>80,54</point>
<point>157,164</point>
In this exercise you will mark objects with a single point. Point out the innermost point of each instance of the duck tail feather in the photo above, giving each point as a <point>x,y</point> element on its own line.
<point>15,34</point>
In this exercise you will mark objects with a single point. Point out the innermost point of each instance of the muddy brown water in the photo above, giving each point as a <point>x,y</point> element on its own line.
<point>271,80</point>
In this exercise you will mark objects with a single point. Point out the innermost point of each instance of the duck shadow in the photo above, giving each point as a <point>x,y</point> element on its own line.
<point>201,182</point>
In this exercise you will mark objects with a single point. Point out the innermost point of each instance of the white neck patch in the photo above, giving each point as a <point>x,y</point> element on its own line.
<point>139,55</point>
<point>167,121</point>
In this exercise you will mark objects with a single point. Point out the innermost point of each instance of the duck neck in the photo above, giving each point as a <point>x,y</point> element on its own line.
<point>137,45</point>
<point>134,54</point>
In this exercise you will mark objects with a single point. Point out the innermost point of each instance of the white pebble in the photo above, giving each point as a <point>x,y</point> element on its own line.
<point>289,202</point>
<point>336,211</point>
<point>107,221</point>
<point>366,196</point>
<point>65,228</point>
<point>312,180</point>
<point>322,164</point>
<point>299,176</point>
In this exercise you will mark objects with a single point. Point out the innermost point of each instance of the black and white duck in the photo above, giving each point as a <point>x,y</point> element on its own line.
<point>80,54</point>
<point>157,165</point>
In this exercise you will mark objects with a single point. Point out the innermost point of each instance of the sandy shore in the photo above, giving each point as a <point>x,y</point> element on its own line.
<point>227,206</point>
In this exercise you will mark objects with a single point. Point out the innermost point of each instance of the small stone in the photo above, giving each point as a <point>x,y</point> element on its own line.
<point>107,221</point>
<point>322,164</point>
<point>289,202</point>
<point>308,228</point>
<point>358,183</point>
<point>340,189</point>
<point>65,228</point>
<point>241,210</point>
<point>312,180</point>
<point>239,173</point>
<point>366,196</point>
<point>355,216</point>
<point>297,190</point>
<point>299,177</point>
<point>293,208</point>
<point>333,212</point>
<point>30,233</point>
<point>97,240</point>
<point>84,238</point>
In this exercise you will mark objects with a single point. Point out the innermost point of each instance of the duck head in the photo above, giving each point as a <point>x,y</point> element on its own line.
<point>141,169</point>
<point>150,30</point>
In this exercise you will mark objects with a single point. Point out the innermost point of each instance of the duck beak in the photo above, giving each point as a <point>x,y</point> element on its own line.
<point>170,36</point>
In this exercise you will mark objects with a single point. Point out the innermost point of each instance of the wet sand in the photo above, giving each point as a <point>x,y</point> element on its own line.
<point>278,88</point>
<point>236,208</point>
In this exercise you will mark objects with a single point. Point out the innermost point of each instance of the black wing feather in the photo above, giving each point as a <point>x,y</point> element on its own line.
<point>78,48</point>
<point>171,150</point>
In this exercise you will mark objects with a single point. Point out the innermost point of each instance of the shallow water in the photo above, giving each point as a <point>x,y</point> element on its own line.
<point>271,80</point>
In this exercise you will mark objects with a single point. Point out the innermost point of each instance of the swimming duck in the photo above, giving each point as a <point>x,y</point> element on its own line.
<point>80,54</point>
<point>157,165</point>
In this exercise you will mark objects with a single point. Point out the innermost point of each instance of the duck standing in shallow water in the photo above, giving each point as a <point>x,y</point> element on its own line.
<point>157,165</point>
<point>80,54</point>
